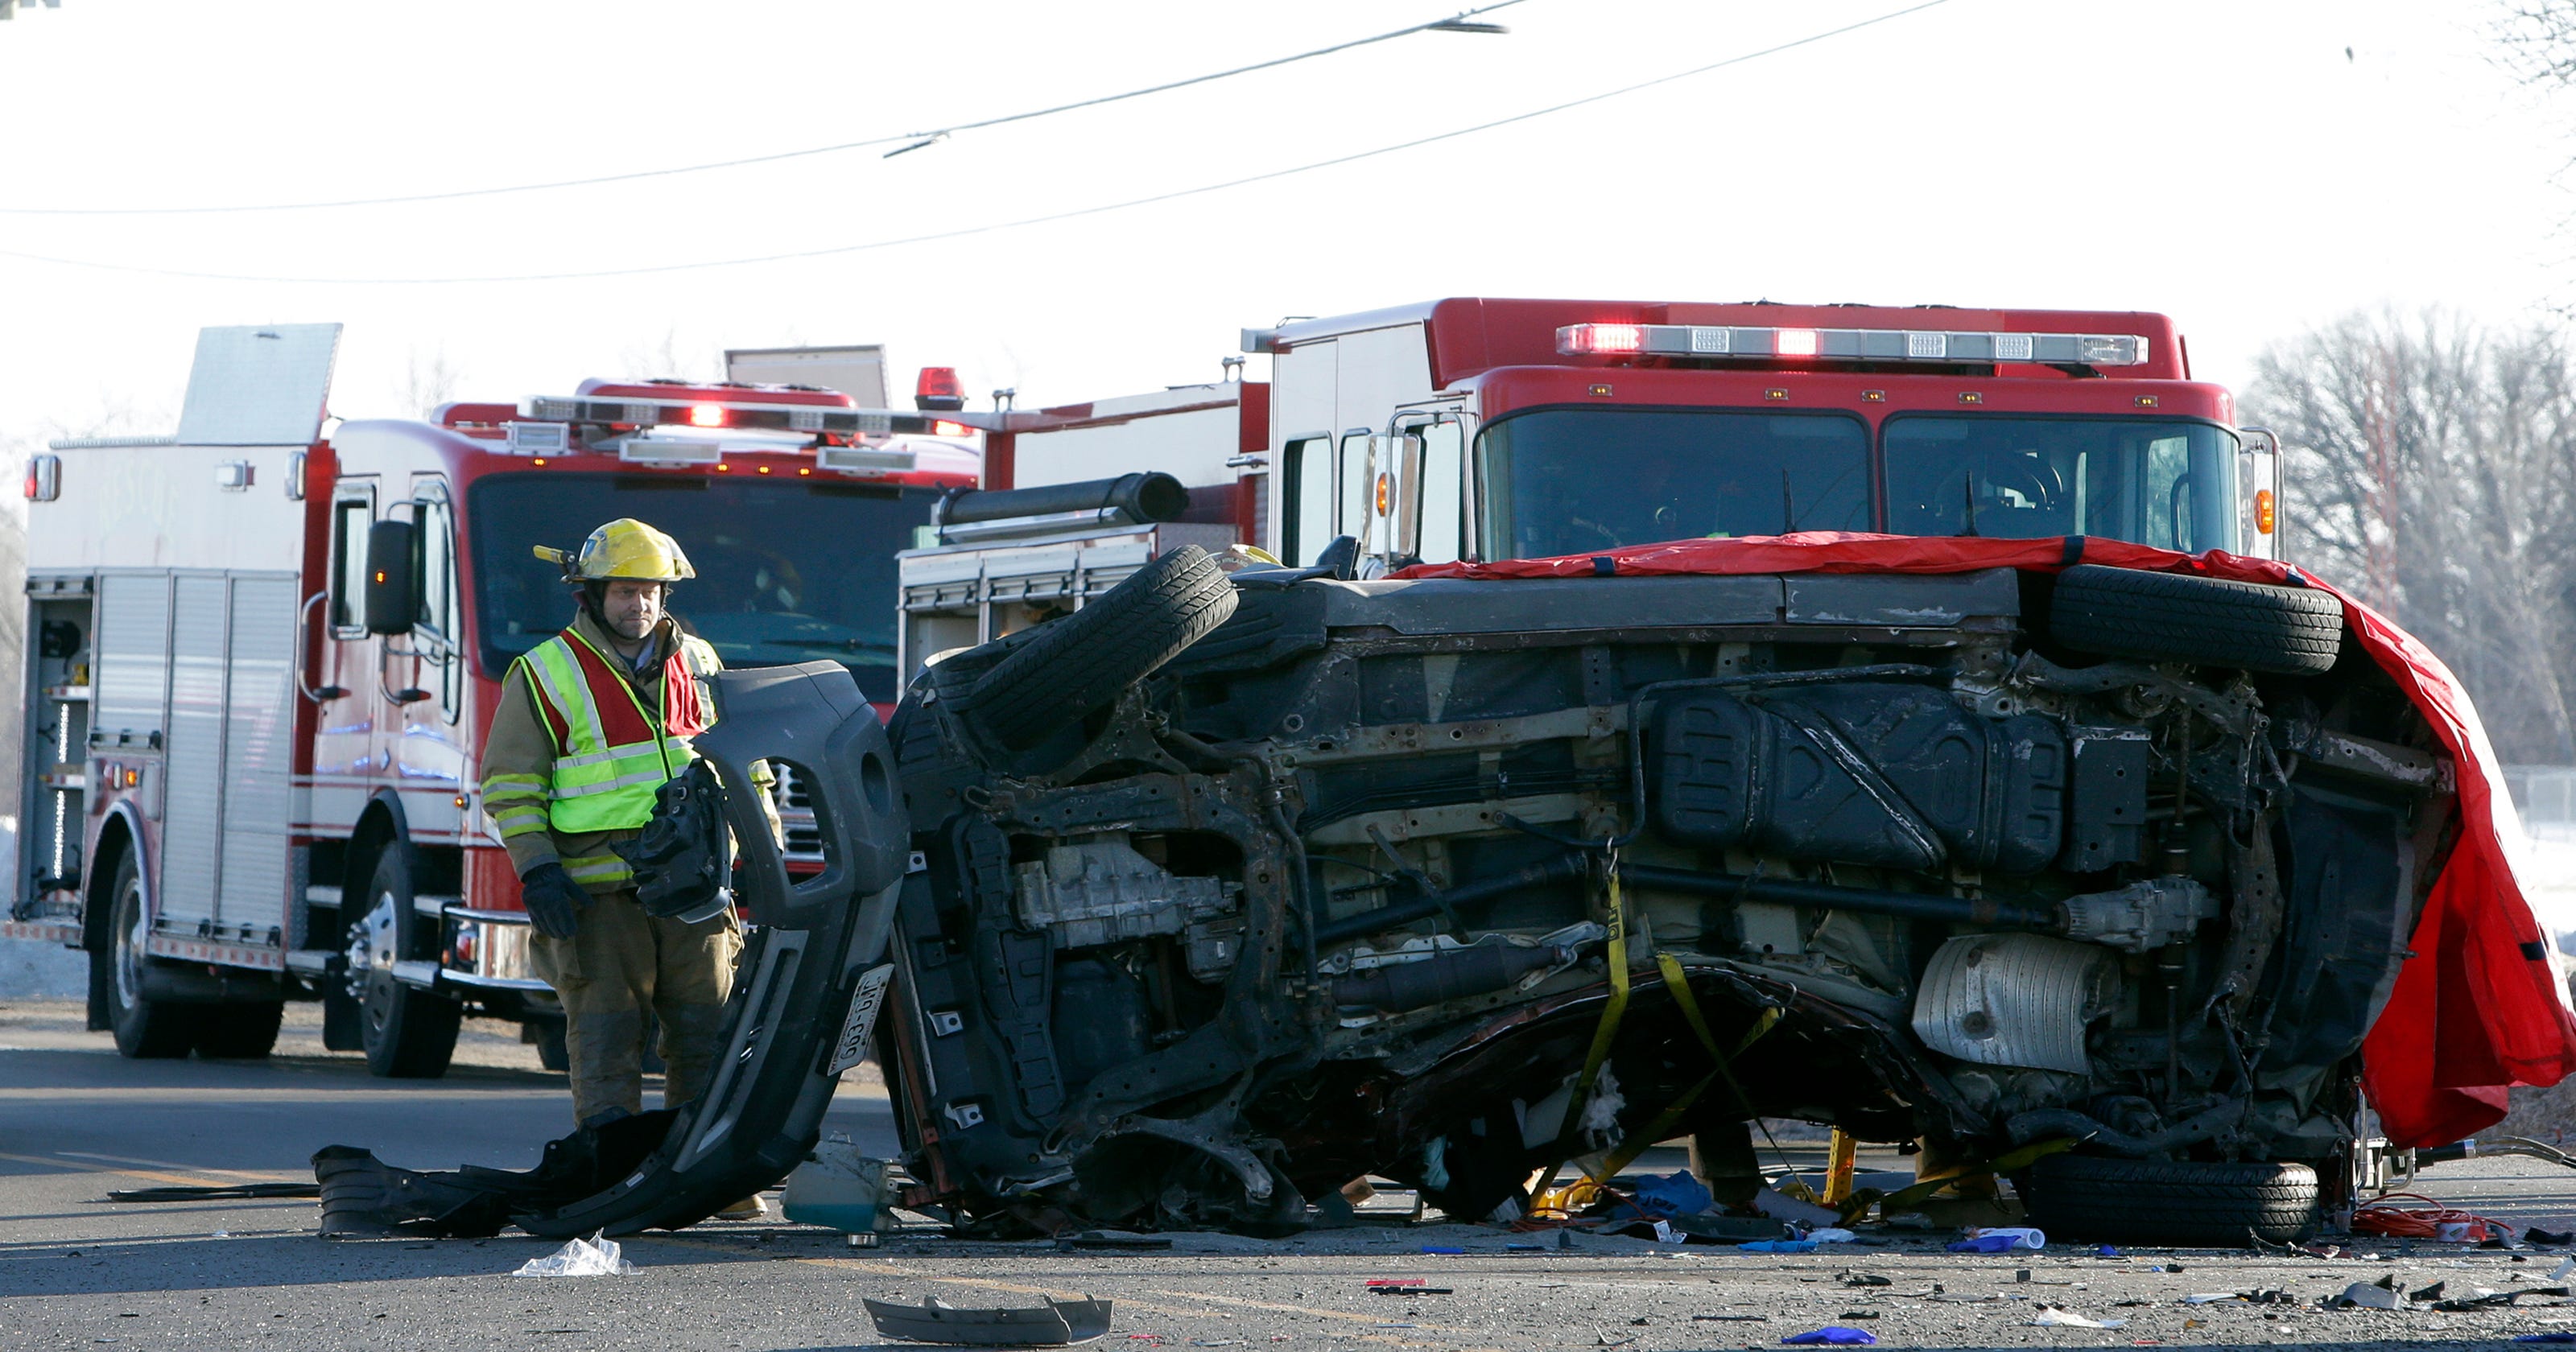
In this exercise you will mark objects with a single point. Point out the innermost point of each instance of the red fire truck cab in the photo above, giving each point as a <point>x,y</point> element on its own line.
<point>263,653</point>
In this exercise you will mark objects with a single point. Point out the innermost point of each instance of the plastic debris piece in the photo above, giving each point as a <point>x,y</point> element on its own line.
<point>2565,1269</point>
<point>1383,1283</point>
<point>1777,1246</point>
<point>1052,1324</point>
<point>1863,1279</point>
<point>1441,1248</point>
<point>2002,1239</point>
<point>592,1257</point>
<point>1781,1206</point>
<point>2051,1317</point>
<point>2211,1298</point>
<point>1832,1235</point>
<point>2372,1296</point>
<point>1676,1194</point>
<point>1831,1335</point>
<point>2106,1251</point>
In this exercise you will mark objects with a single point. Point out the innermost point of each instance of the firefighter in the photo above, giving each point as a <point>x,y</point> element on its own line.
<point>591,723</point>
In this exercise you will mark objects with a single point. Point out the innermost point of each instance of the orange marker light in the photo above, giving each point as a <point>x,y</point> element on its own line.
<point>706,415</point>
<point>1385,493</point>
<point>2263,511</point>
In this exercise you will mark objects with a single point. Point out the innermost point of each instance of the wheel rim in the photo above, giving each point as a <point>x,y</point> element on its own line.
<point>129,947</point>
<point>372,950</point>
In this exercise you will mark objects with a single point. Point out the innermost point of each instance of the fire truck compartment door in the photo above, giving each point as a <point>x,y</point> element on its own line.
<point>259,385</point>
<point>223,867</point>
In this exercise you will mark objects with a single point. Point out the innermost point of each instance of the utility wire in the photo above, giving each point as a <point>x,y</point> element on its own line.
<point>914,140</point>
<point>991,227</point>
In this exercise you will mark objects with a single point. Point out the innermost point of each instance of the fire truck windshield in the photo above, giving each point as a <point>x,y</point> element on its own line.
<point>1568,481</point>
<point>2154,481</point>
<point>788,570</point>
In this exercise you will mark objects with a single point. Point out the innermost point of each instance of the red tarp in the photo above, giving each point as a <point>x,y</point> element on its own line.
<point>2479,1007</point>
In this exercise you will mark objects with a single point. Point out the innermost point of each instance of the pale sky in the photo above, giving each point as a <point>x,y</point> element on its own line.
<point>2226,163</point>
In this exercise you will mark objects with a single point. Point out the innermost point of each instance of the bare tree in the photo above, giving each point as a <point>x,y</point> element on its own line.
<point>668,358</point>
<point>2433,471</point>
<point>2539,40</point>
<point>428,381</point>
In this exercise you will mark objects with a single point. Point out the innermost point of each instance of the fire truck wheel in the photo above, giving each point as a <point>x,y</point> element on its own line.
<point>144,1028</point>
<point>1081,662</point>
<point>2170,617</point>
<point>239,1032</point>
<point>409,1034</point>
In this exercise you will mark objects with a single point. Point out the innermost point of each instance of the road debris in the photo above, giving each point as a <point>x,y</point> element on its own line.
<point>1056,1323</point>
<point>2054,1317</point>
<point>592,1257</point>
<point>1832,1335</point>
<point>2000,1239</point>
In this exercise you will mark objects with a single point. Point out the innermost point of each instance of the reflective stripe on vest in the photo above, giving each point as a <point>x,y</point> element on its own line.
<point>613,756</point>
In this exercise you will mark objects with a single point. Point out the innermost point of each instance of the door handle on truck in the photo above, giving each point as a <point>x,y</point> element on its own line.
<point>304,650</point>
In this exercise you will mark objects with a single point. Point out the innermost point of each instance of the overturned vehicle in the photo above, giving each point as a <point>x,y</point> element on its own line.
<point>1242,887</point>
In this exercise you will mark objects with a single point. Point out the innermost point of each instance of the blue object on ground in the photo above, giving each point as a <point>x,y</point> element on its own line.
<point>1832,1335</point>
<point>1440,1248</point>
<point>1676,1194</point>
<point>1779,1246</point>
<point>2000,1240</point>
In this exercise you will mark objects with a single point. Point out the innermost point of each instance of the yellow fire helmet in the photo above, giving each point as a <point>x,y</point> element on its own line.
<point>624,549</point>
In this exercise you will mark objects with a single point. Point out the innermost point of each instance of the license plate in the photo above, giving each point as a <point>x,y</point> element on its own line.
<point>855,1030</point>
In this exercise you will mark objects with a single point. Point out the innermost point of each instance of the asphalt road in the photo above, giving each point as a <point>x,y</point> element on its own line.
<point>75,1122</point>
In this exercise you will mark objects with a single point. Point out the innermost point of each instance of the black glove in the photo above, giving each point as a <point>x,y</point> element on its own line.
<point>554,900</point>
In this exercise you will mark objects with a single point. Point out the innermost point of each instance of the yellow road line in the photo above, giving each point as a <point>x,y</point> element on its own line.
<point>1371,1319</point>
<point>74,1166</point>
<point>238,1175</point>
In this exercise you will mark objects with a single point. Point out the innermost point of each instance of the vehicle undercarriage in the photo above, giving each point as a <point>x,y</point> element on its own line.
<point>1241,889</point>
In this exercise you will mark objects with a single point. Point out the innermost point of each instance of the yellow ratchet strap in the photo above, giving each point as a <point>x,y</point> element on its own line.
<point>1604,1167</point>
<point>1611,1013</point>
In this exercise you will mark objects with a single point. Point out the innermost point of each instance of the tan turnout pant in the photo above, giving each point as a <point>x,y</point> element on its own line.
<point>621,964</point>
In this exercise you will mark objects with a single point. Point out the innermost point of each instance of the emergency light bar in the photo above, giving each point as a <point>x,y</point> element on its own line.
<point>867,459</point>
<point>1895,345</point>
<point>701,413</point>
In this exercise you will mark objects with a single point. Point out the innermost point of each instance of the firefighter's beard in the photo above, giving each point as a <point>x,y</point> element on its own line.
<point>631,613</point>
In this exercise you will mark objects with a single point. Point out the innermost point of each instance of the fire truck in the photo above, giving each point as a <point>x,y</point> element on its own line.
<point>263,652</point>
<point>1479,428</point>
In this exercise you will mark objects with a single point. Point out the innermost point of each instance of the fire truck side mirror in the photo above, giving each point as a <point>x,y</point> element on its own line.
<point>393,579</point>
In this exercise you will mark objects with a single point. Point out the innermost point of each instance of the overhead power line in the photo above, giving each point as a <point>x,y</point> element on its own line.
<point>991,227</point>
<point>911,140</point>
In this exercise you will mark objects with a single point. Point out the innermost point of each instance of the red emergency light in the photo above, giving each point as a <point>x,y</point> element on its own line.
<point>706,415</point>
<point>1600,340</point>
<point>1795,342</point>
<point>938,390</point>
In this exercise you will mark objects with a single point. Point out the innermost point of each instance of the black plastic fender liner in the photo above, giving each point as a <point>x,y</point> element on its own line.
<point>811,942</point>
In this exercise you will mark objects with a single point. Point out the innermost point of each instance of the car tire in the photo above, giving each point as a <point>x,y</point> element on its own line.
<point>2123,612</point>
<point>1075,665</point>
<point>2185,1203</point>
<point>146,1029</point>
<point>239,1032</point>
<point>408,1034</point>
<point>553,1052</point>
